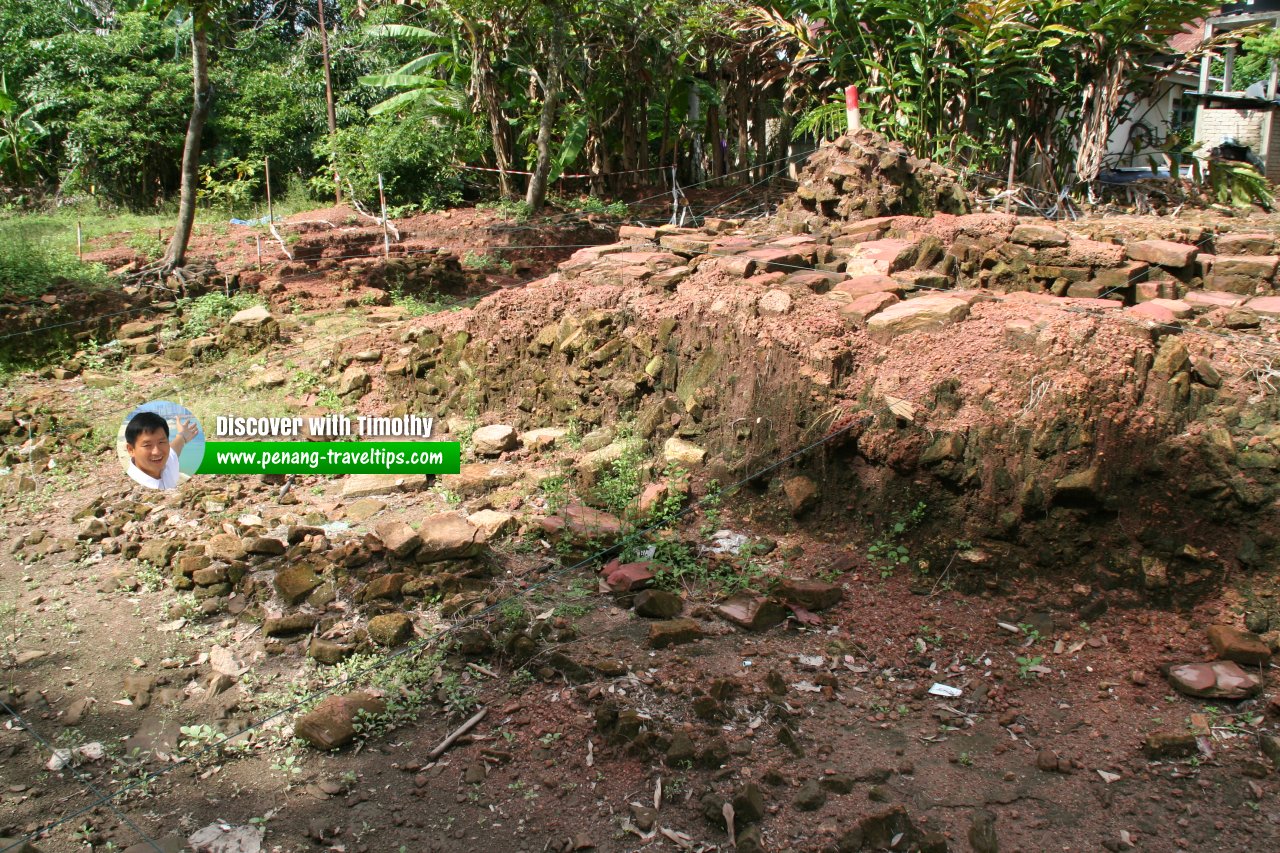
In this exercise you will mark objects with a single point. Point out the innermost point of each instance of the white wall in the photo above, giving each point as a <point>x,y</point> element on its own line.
<point>1156,111</point>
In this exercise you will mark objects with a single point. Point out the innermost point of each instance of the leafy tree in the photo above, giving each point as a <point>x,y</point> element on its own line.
<point>205,16</point>
<point>117,110</point>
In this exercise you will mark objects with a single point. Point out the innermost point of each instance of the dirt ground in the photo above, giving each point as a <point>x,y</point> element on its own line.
<point>825,724</point>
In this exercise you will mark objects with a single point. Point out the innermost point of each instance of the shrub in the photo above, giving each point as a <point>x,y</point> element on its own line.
<point>201,314</point>
<point>414,152</point>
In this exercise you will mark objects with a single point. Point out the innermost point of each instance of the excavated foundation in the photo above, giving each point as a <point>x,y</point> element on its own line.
<point>1042,434</point>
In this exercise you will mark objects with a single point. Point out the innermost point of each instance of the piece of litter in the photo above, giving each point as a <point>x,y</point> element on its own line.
<point>807,687</point>
<point>92,751</point>
<point>1012,629</point>
<point>812,661</point>
<point>727,542</point>
<point>939,689</point>
<point>222,838</point>
<point>1109,777</point>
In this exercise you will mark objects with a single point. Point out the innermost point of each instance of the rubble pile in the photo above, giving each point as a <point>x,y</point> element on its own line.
<point>864,175</point>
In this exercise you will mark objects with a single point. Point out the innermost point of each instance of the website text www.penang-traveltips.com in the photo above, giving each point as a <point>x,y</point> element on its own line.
<point>311,458</point>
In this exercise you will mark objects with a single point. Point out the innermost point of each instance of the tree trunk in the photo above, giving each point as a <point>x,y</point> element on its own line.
<point>328,97</point>
<point>744,143</point>
<point>629,151</point>
<point>663,160</point>
<point>713,122</point>
<point>694,123</point>
<point>176,255</point>
<point>717,150</point>
<point>491,99</point>
<point>537,195</point>
<point>760,132</point>
<point>642,161</point>
<point>488,98</point>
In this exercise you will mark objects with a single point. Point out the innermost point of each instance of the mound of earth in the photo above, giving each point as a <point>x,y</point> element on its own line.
<point>863,175</point>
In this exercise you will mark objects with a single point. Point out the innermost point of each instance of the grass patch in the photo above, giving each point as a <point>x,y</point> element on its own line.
<point>28,270</point>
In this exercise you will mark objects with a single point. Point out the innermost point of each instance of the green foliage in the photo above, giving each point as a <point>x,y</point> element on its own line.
<point>620,484</point>
<point>591,204</point>
<point>485,262</point>
<point>202,313</point>
<point>1253,62</point>
<point>1025,665</point>
<point>957,81</point>
<point>230,184</point>
<point>310,382</point>
<point>418,90</point>
<point>887,553</point>
<point>127,119</point>
<point>515,211</point>
<point>826,121</point>
<point>408,682</point>
<point>198,740</point>
<point>556,491</point>
<point>99,93</point>
<point>20,134</point>
<point>415,152</point>
<point>1239,184</point>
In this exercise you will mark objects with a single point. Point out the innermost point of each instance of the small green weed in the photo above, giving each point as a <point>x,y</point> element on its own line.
<point>200,314</point>
<point>1026,664</point>
<point>887,553</point>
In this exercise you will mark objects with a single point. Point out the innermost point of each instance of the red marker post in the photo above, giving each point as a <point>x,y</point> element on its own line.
<point>852,110</point>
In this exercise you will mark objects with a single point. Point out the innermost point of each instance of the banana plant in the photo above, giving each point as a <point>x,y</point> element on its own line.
<point>20,136</point>
<point>426,80</point>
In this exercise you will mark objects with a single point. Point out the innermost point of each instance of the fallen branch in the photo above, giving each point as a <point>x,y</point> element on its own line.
<point>355,202</point>
<point>283,247</point>
<point>457,733</point>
